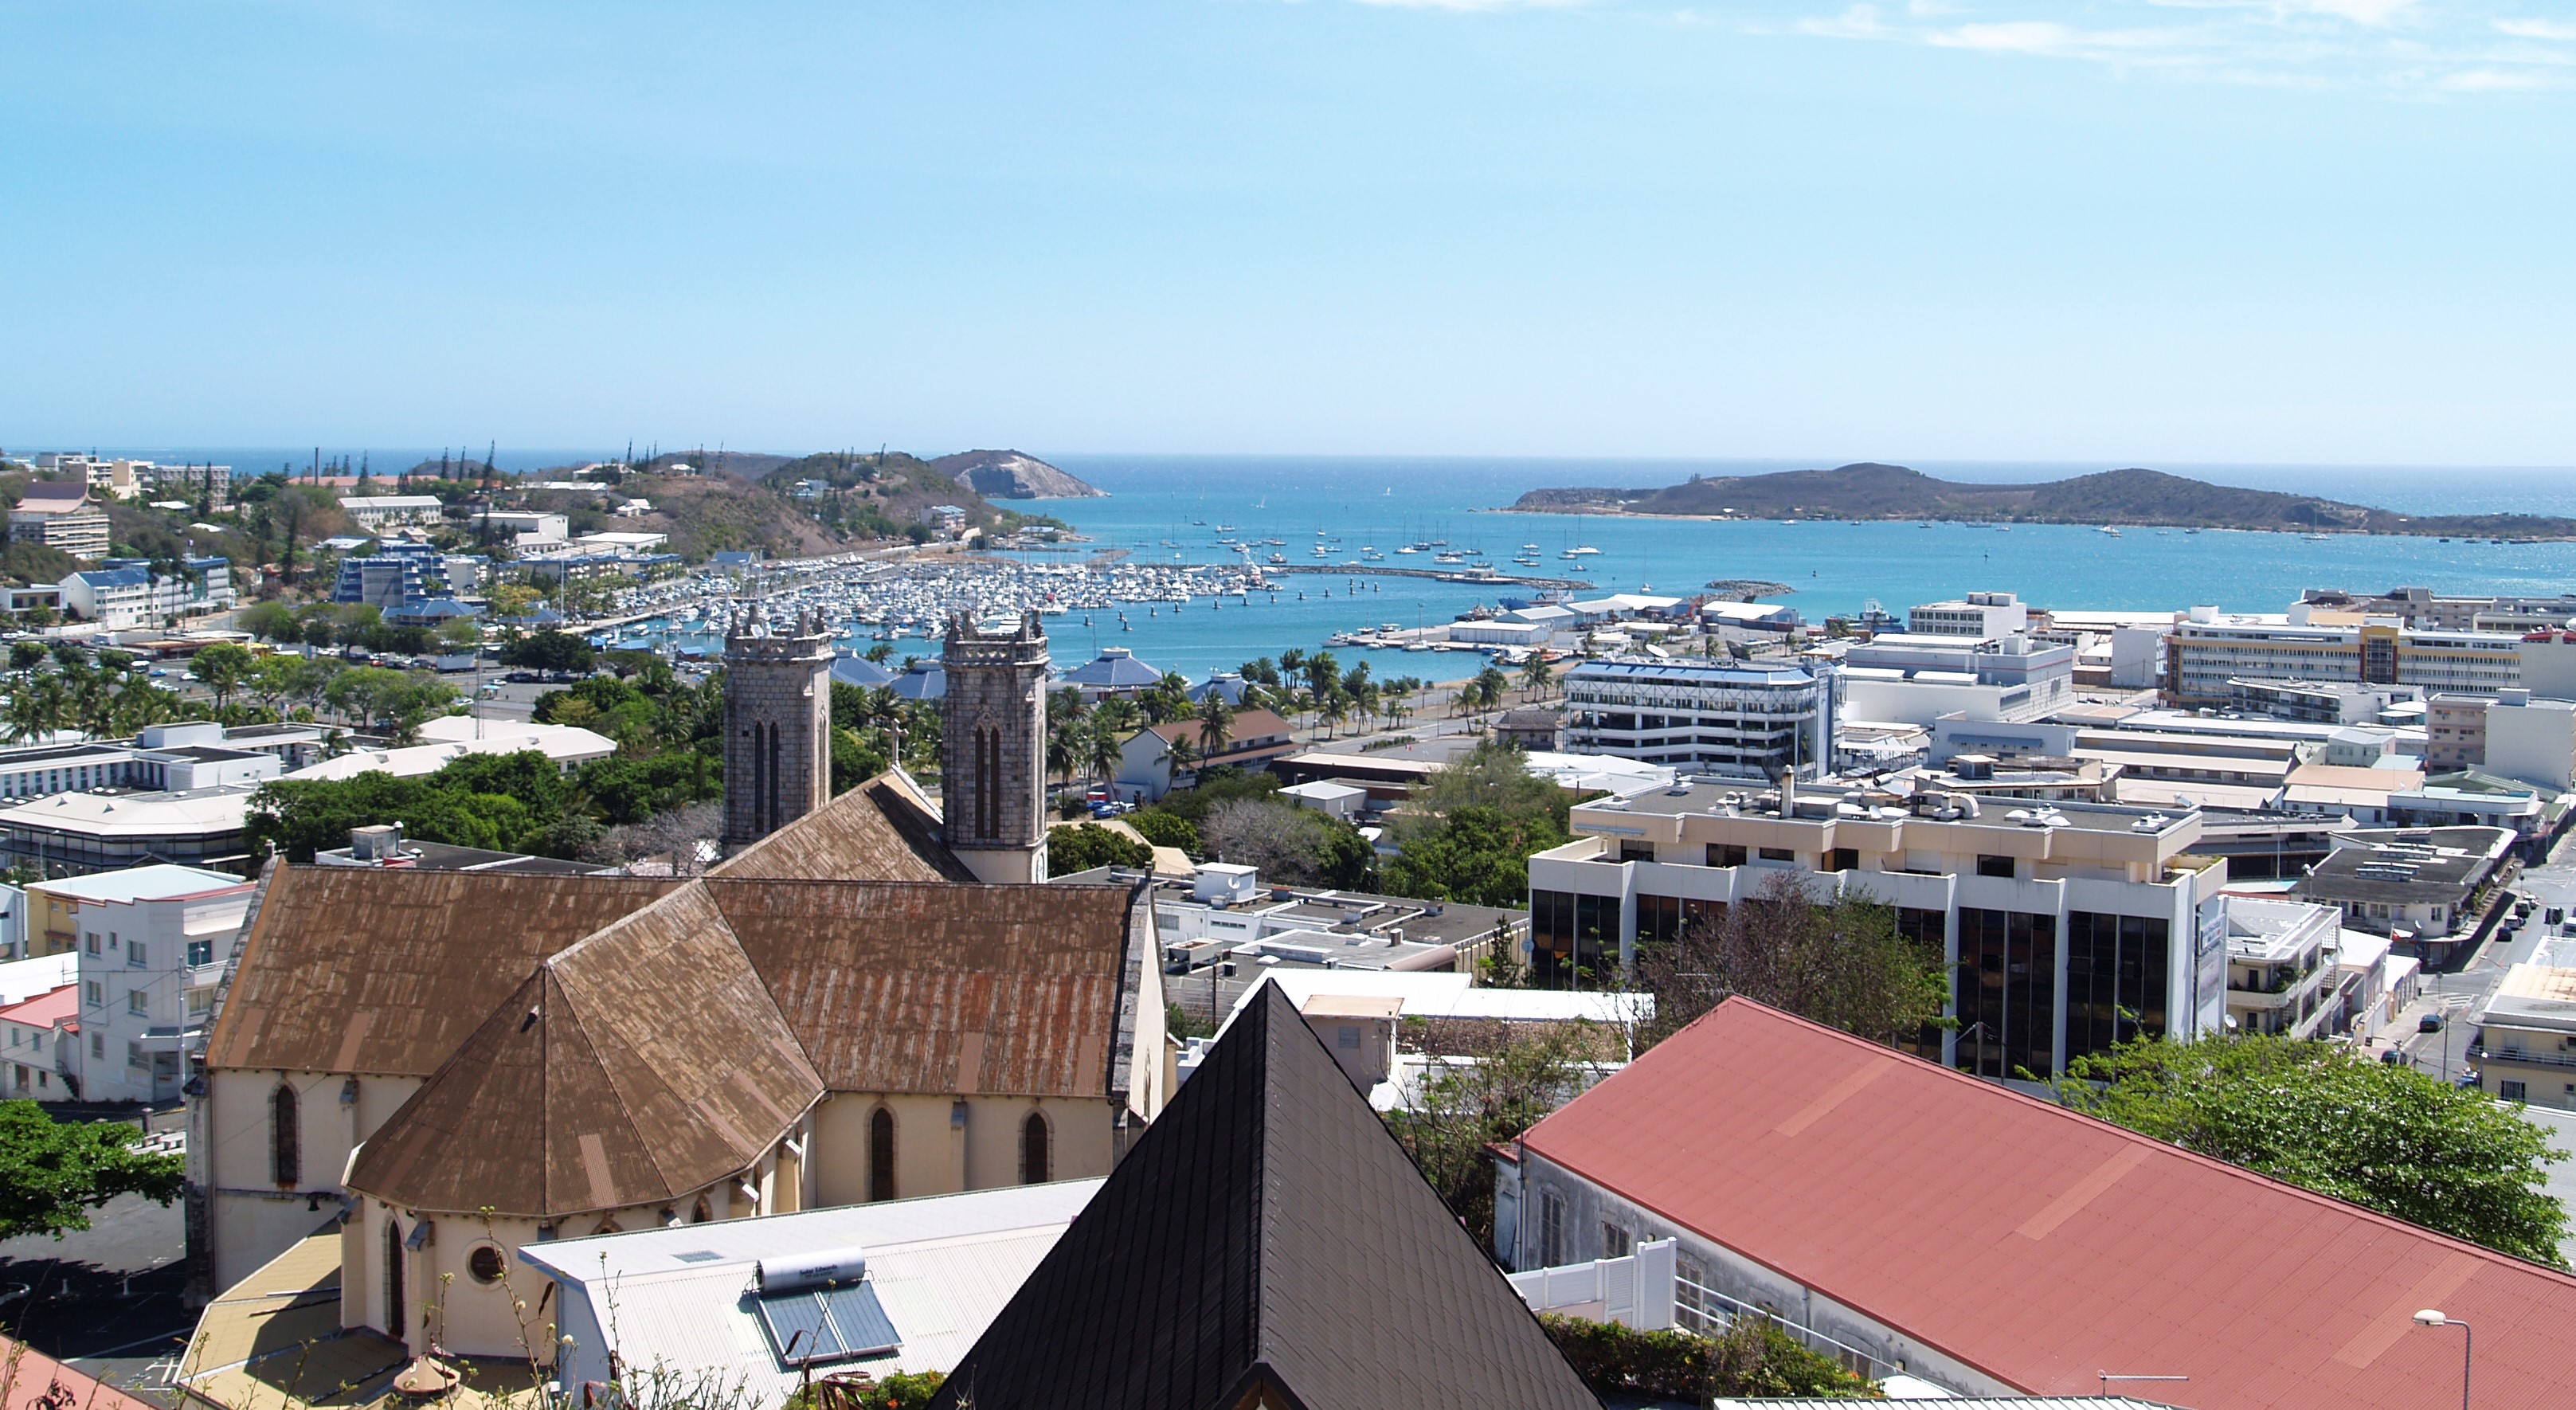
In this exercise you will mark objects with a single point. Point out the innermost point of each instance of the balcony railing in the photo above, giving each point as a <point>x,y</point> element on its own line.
<point>2523,1055</point>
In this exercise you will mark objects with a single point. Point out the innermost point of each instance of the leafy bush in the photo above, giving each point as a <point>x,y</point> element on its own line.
<point>53,1173</point>
<point>903,1390</point>
<point>1752,1357</point>
<point>1073,849</point>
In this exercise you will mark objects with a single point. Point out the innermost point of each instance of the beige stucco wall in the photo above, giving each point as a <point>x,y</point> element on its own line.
<point>253,1219</point>
<point>936,1156</point>
<point>515,1314</point>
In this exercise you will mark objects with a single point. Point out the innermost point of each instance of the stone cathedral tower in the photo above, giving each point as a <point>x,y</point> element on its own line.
<point>778,723</point>
<point>992,789</point>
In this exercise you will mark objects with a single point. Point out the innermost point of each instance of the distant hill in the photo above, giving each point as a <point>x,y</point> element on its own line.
<point>783,505</point>
<point>1871,491</point>
<point>1010,474</point>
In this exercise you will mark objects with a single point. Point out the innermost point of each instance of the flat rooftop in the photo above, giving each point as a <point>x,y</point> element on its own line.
<point>1713,798</point>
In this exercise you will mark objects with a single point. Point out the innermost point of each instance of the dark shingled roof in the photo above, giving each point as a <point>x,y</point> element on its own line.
<point>386,970</point>
<point>1266,1231</point>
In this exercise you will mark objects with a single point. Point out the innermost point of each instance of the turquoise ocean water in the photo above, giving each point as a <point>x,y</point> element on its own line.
<point>1830,567</point>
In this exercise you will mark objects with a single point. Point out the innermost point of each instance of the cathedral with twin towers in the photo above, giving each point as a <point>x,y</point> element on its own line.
<point>992,793</point>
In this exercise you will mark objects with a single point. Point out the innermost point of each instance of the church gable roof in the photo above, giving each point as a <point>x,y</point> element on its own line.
<point>1266,1229</point>
<point>639,1066</point>
<point>899,987</point>
<point>387,970</point>
<point>882,830</point>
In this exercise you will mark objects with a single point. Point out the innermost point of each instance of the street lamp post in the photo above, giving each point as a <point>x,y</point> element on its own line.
<point>2432,1317</point>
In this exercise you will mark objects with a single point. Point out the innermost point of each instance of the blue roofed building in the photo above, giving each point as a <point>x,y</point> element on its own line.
<point>925,679</point>
<point>1226,685</point>
<point>1115,671</point>
<point>126,593</point>
<point>851,669</point>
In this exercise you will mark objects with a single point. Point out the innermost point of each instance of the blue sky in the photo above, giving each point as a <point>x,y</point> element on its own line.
<point>2331,231</point>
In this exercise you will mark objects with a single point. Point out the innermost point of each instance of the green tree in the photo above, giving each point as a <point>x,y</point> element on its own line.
<point>1535,678</point>
<point>1506,1080</point>
<point>270,621</point>
<point>1165,828</point>
<point>1087,845</point>
<point>1479,855</point>
<point>1216,722</point>
<point>1840,962</point>
<point>549,650</point>
<point>52,1174</point>
<point>223,666</point>
<point>2384,1137</point>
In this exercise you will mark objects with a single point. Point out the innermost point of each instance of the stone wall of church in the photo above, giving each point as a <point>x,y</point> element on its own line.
<point>993,773</point>
<point>778,737</point>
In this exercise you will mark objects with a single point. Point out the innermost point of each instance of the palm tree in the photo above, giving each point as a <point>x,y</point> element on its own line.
<point>1535,676</point>
<point>1216,722</point>
<point>1103,749</point>
<point>1184,753</point>
<point>36,708</point>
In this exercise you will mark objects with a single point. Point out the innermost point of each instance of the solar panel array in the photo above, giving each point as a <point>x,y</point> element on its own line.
<point>834,1322</point>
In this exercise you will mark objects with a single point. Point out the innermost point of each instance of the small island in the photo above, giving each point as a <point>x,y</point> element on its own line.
<point>2144,497</point>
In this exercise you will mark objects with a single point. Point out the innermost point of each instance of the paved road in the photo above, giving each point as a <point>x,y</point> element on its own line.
<point>2461,992</point>
<point>107,1298</point>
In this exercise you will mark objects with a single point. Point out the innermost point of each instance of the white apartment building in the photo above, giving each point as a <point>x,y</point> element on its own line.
<point>2531,740</point>
<point>2526,1041</point>
<point>126,595</point>
<point>60,515</point>
<point>386,511</point>
<point>2208,650</point>
<point>1915,679</point>
<point>529,524</point>
<point>2282,972</point>
<point>1985,616</point>
<point>2069,926</point>
<point>152,944</point>
<point>1724,719</point>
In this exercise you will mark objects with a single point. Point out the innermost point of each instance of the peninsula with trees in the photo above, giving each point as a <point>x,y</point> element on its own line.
<point>2145,497</point>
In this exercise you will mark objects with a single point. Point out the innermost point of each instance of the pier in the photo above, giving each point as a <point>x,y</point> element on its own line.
<point>1354,570</point>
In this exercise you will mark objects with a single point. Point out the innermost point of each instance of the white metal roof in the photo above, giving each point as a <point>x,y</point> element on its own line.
<point>943,1267</point>
<point>160,881</point>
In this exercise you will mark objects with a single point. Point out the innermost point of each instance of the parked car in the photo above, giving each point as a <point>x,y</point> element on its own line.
<point>2394,1057</point>
<point>2429,1023</point>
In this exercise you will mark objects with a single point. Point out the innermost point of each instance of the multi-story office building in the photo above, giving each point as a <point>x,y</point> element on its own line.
<point>152,945</point>
<point>211,485</point>
<point>1915,679</point>
<point>2421,607</point>
<point>1984,616</point>
<point>2209,651</point>
<point>1729,720</point>
<point>2069,926</point>
<point>58,514</point>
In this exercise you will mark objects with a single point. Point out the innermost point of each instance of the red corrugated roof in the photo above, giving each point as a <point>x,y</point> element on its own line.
<point>46,1009</point>
<point>2046,1247</point>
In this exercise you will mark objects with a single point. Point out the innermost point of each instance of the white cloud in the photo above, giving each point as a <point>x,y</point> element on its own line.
<point>2537,29</point>
<point>2048,38</point>
<point>2494,81</point>
<point>1475,6</point>
<point>2365,12</point>
<point>2397,46</point>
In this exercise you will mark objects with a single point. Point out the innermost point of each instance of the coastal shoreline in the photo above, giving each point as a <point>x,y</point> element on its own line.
<point>1612,512</point>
